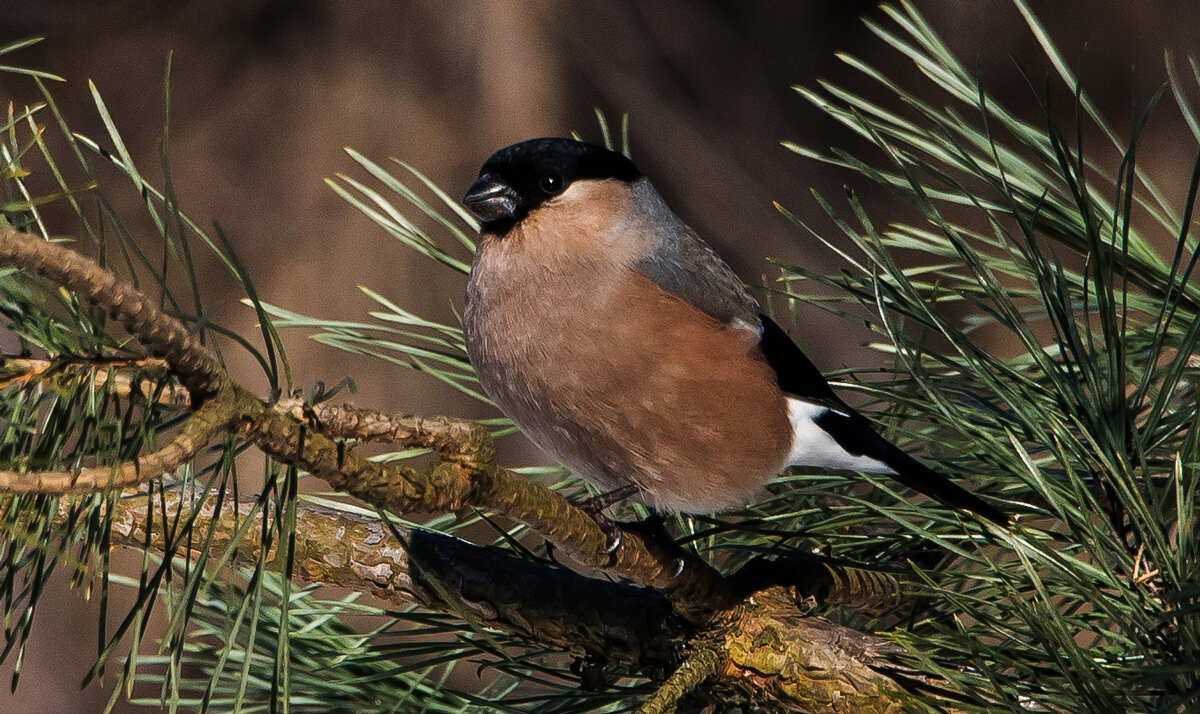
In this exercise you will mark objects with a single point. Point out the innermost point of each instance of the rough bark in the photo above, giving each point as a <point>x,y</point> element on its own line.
<point>543,604</point>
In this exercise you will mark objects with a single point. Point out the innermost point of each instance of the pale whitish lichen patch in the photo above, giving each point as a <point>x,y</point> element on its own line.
<point>379,574</point>
<point>392,554</point>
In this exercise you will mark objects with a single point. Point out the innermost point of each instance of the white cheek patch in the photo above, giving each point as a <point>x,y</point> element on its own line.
<point>813,446</point>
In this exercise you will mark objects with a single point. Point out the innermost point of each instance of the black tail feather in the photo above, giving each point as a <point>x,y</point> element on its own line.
<point>855,434</point>
<point>916,475</point>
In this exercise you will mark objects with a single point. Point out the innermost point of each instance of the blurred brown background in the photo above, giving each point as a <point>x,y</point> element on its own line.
<point>266,94</point>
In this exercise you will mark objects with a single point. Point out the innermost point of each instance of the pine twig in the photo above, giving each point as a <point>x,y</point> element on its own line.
<point>406,430</point>
<point>111,375</point>
<point>166,336</point>
<point>704,661</point>
<point>201,427</point>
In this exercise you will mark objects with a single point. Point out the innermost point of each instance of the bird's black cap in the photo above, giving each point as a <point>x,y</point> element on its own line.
<point>519,178</point>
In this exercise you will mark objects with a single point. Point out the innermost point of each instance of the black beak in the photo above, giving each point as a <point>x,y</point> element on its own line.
<point>491,199</point>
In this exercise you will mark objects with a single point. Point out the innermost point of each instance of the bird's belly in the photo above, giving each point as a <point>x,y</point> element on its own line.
<point>655,394</point>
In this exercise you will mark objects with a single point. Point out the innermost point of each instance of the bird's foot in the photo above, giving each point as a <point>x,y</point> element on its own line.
<point>653,530</point>
<point>612,532</point>
<point>595,507</point>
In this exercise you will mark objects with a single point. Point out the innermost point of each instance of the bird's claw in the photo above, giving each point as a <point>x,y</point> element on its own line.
<point>614,539</point>
<point>595,506</point>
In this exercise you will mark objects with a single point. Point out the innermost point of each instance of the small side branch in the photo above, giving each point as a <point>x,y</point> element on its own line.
<point>702,663</point>
<point>112,375</point>
<point>407,430</point>
<point>167,337</point>
<point>201,428</point>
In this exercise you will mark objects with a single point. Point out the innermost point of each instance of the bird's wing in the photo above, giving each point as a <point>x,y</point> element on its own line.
<point>855,434</point>
<point>686,266</point>
<point>797,375</point>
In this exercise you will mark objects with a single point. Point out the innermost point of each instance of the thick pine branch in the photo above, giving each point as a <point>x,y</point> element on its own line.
<point>551,606</point>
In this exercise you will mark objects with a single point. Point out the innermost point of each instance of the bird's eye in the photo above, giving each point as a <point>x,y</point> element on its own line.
<point>552,183</point>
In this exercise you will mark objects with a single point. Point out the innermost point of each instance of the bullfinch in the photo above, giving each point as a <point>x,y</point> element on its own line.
<point>622,345</point>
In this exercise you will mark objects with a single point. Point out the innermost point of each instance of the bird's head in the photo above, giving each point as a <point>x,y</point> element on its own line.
<point>518,179</point>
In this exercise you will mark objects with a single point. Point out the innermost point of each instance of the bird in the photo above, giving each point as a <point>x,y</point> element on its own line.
<point>621,344</point>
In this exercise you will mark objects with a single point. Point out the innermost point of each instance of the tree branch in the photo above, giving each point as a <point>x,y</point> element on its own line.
<point>468,476</point>
<point>552,606</point>
<point>406,430</point>
<point>704,661</point>
<point>764,650</point>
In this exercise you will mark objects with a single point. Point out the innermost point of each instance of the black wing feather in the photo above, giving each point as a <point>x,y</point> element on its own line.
<point>796,374</point>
